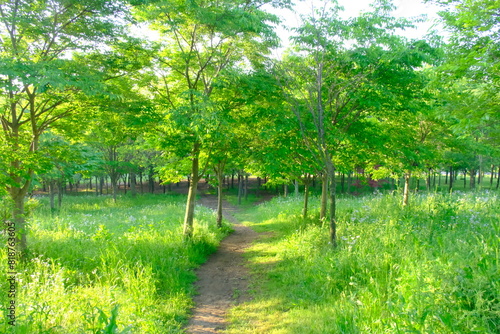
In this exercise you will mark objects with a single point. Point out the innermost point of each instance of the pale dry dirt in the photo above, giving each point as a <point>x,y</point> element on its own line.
<point>223,279</point>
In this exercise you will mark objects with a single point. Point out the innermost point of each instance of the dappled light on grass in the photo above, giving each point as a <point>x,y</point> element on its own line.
<point>97,262</point>
<point>429,268</point>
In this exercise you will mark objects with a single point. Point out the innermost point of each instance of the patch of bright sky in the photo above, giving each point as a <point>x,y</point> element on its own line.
<point>352,8</point>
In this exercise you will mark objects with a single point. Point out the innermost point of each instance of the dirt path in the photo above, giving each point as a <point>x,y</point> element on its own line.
<point>222,280</point>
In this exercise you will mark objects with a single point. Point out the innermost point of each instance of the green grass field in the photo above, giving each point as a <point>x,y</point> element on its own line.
<point>100,267</point>
<point>429,268</point>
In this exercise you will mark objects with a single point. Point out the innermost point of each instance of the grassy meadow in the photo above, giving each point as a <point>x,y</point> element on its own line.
<point>101,267</point>
<point>432,267</point>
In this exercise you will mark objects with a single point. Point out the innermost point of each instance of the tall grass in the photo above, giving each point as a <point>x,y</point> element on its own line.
<point>429,268</point>
<point>101,267</point>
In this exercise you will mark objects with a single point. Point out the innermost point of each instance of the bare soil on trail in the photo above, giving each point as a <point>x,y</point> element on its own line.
<point>223,279</point>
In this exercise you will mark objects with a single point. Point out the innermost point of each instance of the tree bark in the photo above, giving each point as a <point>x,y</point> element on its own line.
<point>498,178</point>
<point>101,185</point>
<point>450,189</point>
<point>114,184</point>
<point>492,174</point>
<point>18,217</point>
<point>59,193</point>
<point>406,190</point>
<point>333,202</point>
<point>472,181</point>
<point>306,200</point>
<point>140,181</point>
<point>296,184</point>
<point>151,180</point>
<point>220,175</point>
<point>133,183</point>
<point>324,196</point>
<point>52,195</point>
<point>193,188</point>
<point>240,187</point>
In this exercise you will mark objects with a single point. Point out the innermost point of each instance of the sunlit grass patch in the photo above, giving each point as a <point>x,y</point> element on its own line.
<point>98,264</point>
<point>429,268</point>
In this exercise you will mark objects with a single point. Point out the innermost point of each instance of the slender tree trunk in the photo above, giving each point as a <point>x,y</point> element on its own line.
<point>259,182</point>
<point>18,217</point>
<point>240,187</point>
<point>342,183</point>
<point>124,184</point>
<point>450,189</point>
<point>151,180</point>
<point>140,181</point>
<point>333,202</point>
<point>296,184</point>
<point>472,181</point>
<point>193,188</point>
<point>324,196</point>
<point>491,176</point>
<point>465,179</point>
<point>114,184</point>
<point>59,194</point>
<point>498,178</point>
<point>285,190</point>
<point>52,195</point>
<point>406,190</point>
<point>133,184</point>
<point>101,185</point>
<point>306,200</point>
<point>246,187</point>
<point>220,176</point>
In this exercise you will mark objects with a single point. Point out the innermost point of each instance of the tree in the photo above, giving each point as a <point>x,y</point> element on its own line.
<point>200,41</point>
<point>39,78</point>
<point>342,72</point>
<point>470,74</point>
<point>61,160</point>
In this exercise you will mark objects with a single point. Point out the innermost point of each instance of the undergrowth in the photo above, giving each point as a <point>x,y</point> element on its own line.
<point>429,268</point>
<point>103,267</point>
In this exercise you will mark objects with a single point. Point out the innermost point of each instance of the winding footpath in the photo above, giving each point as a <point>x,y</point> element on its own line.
<point>223,279</point>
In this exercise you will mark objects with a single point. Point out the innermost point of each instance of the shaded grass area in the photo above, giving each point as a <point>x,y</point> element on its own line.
<point>101,267</point>
<point>429,268</point>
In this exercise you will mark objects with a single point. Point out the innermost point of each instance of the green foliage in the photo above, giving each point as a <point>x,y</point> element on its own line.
<point>101,267</point>
<point>430,268</point>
